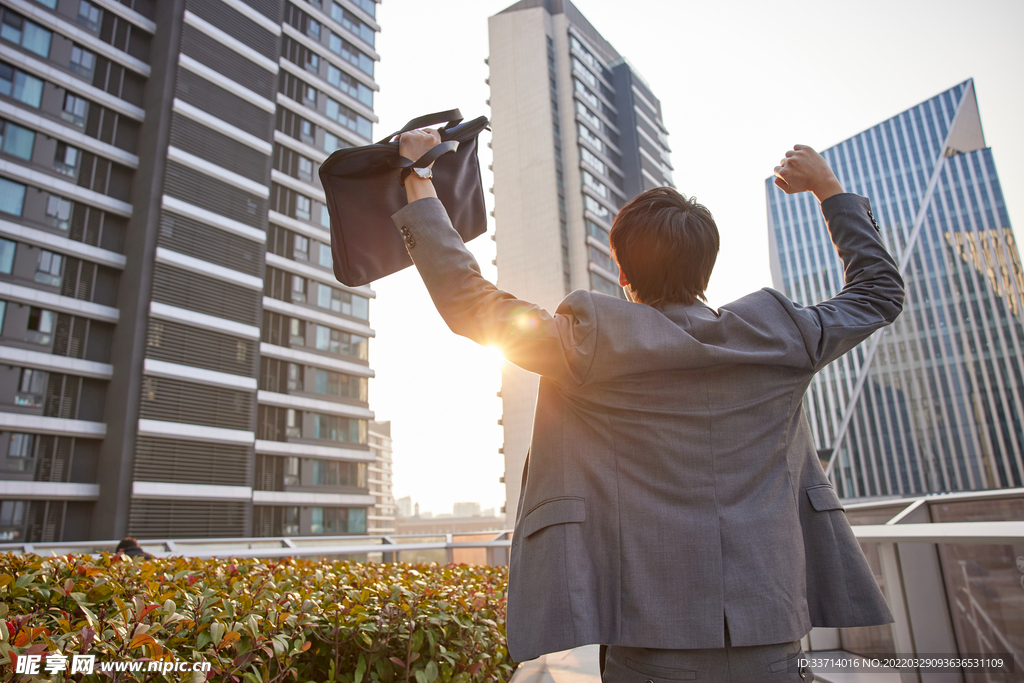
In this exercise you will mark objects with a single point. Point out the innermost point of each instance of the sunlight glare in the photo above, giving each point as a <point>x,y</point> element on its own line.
<point>495,354</point>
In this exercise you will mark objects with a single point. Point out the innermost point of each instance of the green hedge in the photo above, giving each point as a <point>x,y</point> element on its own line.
<point>258,621</point>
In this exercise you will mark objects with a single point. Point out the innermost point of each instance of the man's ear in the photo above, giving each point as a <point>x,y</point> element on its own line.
<point>622,279</point>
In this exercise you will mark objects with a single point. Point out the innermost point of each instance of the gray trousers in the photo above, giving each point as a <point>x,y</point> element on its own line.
<point>756,664</point>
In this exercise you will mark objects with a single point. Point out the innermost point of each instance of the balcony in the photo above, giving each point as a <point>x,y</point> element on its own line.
<point>951,567</point>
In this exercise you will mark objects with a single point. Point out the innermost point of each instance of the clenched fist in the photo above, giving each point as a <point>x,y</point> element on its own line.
<point>804,170</point>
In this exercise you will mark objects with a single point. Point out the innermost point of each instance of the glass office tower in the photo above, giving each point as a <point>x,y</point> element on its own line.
<point>934,402</point>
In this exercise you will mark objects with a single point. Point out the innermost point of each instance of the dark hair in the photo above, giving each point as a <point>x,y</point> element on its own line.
<point>127,542</point>
<point>666,244</point>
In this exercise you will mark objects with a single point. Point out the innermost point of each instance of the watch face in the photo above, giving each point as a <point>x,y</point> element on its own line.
<point>423,172</point>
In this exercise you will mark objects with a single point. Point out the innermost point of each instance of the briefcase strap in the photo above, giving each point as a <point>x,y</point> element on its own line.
<point>450,118</point>
<point>430,157</point>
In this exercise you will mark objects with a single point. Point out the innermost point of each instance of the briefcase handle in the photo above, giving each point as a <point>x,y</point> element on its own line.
<point>450,118</point>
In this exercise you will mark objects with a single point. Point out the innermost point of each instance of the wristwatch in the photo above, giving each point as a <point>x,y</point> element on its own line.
<point>425,173</point>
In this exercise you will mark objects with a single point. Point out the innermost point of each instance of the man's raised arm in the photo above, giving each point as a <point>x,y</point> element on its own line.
<point>873,294</point>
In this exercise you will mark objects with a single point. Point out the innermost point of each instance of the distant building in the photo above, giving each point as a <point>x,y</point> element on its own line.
<point>404,507</point>
<point>449,524</point>
<point>934,402</point>
<point>577,133</point>
<point>466,510</point>
<point>381,517</point>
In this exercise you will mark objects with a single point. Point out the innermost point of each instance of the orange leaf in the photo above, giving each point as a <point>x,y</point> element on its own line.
<point>305,646</point>
<point>230,637</point>
<point>140,640</point>
<point>147,610</point>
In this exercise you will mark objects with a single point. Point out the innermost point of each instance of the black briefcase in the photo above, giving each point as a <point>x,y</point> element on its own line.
<point>363,191</point>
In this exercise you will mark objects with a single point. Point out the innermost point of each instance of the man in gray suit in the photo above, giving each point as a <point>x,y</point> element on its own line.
<point>674,508</point>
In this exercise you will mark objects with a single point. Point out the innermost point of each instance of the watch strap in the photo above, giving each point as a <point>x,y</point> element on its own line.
<point>427,159</point>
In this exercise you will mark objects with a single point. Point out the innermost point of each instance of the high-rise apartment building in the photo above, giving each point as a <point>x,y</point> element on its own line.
<point>576,133</point>
<point>381,517</point>
<point>934,402</point>
<point>179,360</point>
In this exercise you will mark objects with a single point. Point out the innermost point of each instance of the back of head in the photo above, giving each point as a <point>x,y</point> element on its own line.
<point>666,246</point>
<point>126,543</point>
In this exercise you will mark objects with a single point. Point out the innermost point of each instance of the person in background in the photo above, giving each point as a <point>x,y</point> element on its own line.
<point>130,547</point>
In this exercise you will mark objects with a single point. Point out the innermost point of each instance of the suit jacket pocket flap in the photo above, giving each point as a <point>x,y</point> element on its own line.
<point>824,498</point>
<point>555,511</point>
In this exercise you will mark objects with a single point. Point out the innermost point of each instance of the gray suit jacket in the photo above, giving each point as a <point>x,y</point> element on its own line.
<point>672,480</point>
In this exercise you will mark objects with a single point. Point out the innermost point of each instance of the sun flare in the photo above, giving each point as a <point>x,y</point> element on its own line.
<point>496,356</point>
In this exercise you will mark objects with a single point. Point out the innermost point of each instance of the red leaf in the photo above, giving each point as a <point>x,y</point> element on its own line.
<point>397,661</point>
<point>147,610</point>
<point>474,668</point>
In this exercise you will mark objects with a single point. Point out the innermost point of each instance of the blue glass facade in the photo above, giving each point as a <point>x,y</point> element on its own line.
<point>934,402</point>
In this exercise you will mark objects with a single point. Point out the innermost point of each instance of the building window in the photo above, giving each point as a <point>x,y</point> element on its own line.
<point>305,169</point>
<point>21,452</point>
<point>12,513</point>
<point>368,6</point>
<point>292,426</point>
<point>604,286</point>
<point>12,197</point>
<point>348,118</point>
<point>20,86</point>
<point>303,207</point>
<point>40,325</point>
<point>75,110</point>
<point>591,138</point>
<point>326,256</point>
<point>291,473</point>
<point>17,141</point>
<point>312,61</point>
<point>585,72</point>
<point>325,216</point>
<point>295,377</point>
<point>350,53</point>
<point>334,428</point>
<point>604,260</point>
<point>309,96</point>
<point>31,388</point>
<point>66,160</point>
<point>52,4</point>
<point>332,143</point>
<point>297,332</point>
<point>298,289</point>
<point>48,272</point>
<point>300,249</point>
<point>313,30</point>
<point>352,23</point>
<point>585,93</point>
<point>31,36</point>
<point>598,232</point>
<point>7,249</point>
<point>82,62</point>
<point>592,159</point>
<point>89,15</point>
<point>595,185</point>
<point>588,116</point>
<point>597,208</point>
<point>306,133</point>
<point>349,85</point>
<point>336,384</point>
<point>58,210</point>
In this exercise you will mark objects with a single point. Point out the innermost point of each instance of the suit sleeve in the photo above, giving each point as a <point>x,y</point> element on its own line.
<point>872,296</point>
<point>559,347</point>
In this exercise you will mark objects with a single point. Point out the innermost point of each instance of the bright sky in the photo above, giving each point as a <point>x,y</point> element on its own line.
<point>740,83</point>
